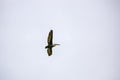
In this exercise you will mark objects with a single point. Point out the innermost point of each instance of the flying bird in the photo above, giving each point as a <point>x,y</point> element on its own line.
<point>50,43</point>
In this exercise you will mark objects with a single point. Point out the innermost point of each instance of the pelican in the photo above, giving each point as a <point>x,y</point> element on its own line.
<point>50,43</point>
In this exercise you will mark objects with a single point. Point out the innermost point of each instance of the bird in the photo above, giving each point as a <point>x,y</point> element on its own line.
<point>50,43</point>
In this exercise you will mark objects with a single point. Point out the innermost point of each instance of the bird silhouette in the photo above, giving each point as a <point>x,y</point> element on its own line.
<point>50,43</point>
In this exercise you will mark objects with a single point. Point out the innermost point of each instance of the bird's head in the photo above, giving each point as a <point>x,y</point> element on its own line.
<point>55,45</point>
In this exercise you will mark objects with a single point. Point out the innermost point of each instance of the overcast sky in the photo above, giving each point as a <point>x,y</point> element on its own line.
<point>88,31</point>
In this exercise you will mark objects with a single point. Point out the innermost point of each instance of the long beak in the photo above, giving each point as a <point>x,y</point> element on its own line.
<point>57,44</point>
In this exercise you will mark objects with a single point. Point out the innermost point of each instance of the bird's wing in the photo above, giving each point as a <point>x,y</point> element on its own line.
<point>49,51</point>
<point>50,37</point>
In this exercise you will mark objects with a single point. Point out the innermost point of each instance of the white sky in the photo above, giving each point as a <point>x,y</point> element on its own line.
<point>88,31</point>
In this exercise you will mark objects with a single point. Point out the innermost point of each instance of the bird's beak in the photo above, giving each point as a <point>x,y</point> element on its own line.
<point>57,44</point>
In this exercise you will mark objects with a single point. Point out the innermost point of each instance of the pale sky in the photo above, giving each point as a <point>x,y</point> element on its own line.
<point>88,31</point>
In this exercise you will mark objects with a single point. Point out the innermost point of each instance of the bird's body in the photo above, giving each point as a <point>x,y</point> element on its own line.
<point>50,46</point>
<point>50,43</point>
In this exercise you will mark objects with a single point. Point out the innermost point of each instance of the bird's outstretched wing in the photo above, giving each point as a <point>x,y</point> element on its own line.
<point>49,51</point>
<point>50,37</point>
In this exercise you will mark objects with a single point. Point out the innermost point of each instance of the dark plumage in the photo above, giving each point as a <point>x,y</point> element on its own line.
<point>50,43</point>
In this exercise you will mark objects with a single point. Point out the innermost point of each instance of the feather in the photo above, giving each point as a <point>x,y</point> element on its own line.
<point>50,37</point>
<point>49,51</point>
